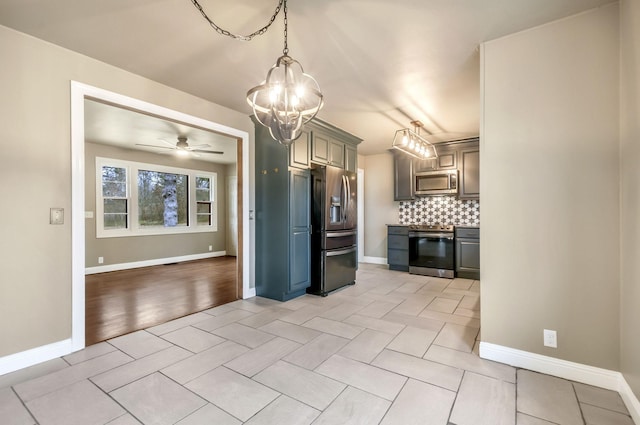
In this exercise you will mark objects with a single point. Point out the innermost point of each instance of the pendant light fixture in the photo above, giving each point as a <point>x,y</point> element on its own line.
<point>288,98</point>
<point>412,143</point>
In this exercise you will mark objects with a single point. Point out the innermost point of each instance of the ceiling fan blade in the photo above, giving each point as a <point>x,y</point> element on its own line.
<point>155,146</point>
<point>204,145</point>
<point>173,145</point>
<point>204,151</point>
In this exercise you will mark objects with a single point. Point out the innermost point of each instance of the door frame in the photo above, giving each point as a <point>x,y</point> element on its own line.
<point>79,92</point>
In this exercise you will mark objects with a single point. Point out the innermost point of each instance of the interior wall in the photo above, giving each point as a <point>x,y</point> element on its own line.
<point>630,192</point>
<point>379,205</point>
<point>140,248</point>
<point>35,289</point>
<point>549,184</point>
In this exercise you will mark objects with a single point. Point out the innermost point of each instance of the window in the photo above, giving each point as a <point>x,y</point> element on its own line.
<point>143,199</point>
<point>114,197</point>
<point>203,201</point>
<point>162,199</point>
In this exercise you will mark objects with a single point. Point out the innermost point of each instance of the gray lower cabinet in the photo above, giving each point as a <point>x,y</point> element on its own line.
<point>283,221</point>
<point>468,252</point>
<point>398,248</point>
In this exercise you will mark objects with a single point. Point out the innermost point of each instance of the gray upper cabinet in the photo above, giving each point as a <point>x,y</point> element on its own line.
<point>336,153</point>
<point>332,146</point>
<point>320,148</point>
<point>299,151</point>
<point>350,158</point>
<point>463,155</point>
<point>469,173</point>
<point>403,186</point>
<point>447,160</point>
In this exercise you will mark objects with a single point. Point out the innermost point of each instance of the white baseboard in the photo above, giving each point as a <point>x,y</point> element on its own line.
<point>374,260</point>
<point>154,262</point>
<point>34,356</point>
<point>577,372</point>
<point>249,294</point>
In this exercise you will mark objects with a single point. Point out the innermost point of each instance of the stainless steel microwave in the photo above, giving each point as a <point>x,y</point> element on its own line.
<point>442,182</point>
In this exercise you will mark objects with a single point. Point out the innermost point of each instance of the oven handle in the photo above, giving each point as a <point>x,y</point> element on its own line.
<point>340,252</point>
<point>431,236</point>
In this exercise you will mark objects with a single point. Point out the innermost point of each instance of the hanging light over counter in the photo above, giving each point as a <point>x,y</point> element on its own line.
<point>412,143</point>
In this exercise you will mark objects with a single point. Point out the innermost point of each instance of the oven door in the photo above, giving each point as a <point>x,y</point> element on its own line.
<point>431,250</point>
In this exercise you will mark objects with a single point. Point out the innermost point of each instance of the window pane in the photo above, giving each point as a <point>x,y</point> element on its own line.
<point>162,199</point>
<point>115,206</point>
<point>203,189</point>
<point>114,182</point>
<point>114,190</point>
<point>204,208</point>
<point>115,221</point>
<point>204,219</point>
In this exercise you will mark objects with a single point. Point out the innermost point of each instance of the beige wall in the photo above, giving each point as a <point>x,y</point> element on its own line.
<point>380,208</point>
<point>630,192</point>
<point>35,164</point>
<point>549,184</point>
<point>141,248</point>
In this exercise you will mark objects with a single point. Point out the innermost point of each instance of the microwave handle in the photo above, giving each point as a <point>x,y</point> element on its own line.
<point>453,181</point>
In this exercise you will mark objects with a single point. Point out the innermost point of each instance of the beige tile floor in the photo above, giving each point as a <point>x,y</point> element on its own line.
<point>393,349</point>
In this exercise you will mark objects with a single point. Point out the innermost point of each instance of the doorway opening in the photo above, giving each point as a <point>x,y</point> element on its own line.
<point>239,140</point>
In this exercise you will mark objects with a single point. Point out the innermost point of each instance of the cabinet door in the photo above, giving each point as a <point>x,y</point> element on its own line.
<point>351,158</point>
<point>299,151</point>
<point>336,153</point>
<point>447,160</point>
<point>300,222</point>
<point>469,174</point>
<point>319,148</point>
<point>468,258</point>
<point>403,185</point>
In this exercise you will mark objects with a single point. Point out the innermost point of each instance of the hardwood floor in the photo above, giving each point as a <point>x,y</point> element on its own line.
<point>121,302</point>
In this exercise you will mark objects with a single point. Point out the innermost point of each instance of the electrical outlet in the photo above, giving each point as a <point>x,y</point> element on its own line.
<point>100,260</point>
<point>550,338</point>
<point>210,247</point>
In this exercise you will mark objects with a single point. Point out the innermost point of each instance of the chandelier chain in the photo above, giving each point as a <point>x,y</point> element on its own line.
<point>286,46</point>
<point>249,37</point>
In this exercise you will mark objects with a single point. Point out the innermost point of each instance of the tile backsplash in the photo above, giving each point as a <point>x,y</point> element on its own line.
<point>440,210</point>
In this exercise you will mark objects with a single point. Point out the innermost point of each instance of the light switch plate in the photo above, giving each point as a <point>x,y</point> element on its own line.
<point>56,216</point>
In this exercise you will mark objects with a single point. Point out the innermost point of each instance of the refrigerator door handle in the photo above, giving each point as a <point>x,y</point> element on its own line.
<point>334,234</point>
<point>340,252</point>
<point>345,183</point>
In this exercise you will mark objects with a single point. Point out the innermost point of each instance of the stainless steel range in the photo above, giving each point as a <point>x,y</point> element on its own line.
<point>431,250</point>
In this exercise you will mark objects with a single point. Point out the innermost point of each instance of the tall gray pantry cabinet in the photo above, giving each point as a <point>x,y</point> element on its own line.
<point>283,204</point>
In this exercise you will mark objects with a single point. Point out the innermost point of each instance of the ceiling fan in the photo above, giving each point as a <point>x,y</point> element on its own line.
<point>183,147</point>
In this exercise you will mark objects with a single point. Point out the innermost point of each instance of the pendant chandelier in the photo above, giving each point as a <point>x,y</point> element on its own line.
<point>288,98</point>
<point>412,143</point>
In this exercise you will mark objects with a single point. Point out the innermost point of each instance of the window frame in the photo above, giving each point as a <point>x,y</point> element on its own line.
<point>133,227</point>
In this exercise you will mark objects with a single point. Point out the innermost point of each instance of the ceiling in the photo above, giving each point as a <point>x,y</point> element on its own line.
<point>379,63</point>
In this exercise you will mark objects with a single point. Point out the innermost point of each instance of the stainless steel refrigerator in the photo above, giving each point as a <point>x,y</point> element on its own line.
<point>334,256</point>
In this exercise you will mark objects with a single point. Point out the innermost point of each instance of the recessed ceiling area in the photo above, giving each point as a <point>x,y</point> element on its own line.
<point>113,125</point>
